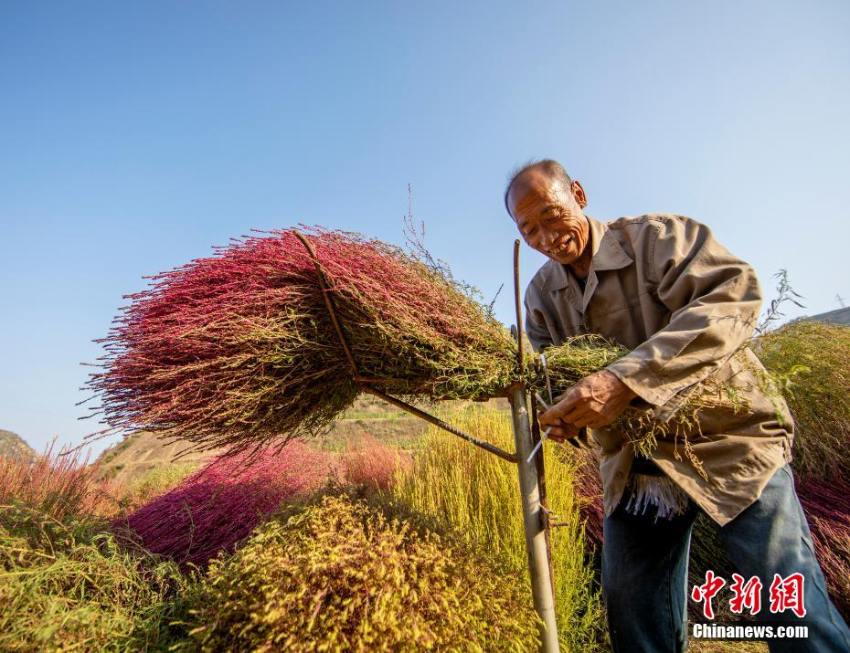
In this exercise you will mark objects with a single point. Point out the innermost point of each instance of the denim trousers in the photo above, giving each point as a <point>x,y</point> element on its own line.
<point>645,573</point>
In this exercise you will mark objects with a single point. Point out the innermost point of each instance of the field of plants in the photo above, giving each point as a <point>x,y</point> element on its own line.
<point>302,549</point>
<point>359,543</point>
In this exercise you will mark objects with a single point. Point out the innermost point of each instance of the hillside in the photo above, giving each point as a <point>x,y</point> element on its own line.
<point>143,452</point>
<point>14,446</point>
<point>140,453</point>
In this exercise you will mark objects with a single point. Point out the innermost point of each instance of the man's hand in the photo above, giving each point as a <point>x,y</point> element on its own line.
<point>595,401</point>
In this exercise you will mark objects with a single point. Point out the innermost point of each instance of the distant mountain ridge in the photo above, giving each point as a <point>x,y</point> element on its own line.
<point>13,445</point>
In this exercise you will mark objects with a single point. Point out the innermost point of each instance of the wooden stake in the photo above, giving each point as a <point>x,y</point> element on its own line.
<point>534,518</point>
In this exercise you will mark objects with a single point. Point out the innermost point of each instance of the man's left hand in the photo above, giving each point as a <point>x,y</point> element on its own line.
<point>595,401</point>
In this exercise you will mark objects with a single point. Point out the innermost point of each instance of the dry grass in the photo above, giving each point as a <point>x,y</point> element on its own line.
<point>57,484</point>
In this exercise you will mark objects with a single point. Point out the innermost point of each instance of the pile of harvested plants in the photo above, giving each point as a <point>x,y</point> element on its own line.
<point>241,347</point>
<point>216,507</point>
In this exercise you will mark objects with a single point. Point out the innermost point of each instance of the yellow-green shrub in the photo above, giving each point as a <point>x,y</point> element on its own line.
<point>476,493</point>
<point>340,575</point>
<point>811,361</point>
<point>67,585</point>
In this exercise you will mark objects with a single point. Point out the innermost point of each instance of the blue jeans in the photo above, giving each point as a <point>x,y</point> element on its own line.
<point>645,565</point>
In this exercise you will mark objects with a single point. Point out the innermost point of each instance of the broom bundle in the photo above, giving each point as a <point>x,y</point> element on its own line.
<point>241,346</point>
<point>219,505</point>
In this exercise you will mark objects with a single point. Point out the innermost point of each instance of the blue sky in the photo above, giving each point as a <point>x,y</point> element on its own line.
<point>135,136</point>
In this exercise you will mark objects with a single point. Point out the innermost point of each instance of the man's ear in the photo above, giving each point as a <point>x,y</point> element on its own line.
<point>578,193</point>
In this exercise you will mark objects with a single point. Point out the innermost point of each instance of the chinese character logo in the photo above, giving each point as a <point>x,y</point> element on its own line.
<point>706,592</point>
<point>787,594</point>
<point>745,595</point>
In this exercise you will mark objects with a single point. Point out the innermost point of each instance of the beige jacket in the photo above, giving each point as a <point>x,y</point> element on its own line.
<point>663,287</point>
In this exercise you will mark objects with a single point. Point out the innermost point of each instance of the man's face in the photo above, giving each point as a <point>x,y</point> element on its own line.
<point>548,214</point>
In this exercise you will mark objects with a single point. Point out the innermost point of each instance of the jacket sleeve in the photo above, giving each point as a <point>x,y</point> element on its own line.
<point>714,299</point>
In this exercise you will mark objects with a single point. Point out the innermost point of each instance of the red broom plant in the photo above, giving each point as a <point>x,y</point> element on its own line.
<point>827,507</point>
<point>60,485</point>
<point>371,464</point>
<point>588,489</point>
<point>240,346</point>
<point>221,504</point>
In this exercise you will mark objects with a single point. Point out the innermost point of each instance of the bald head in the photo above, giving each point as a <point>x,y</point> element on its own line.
<point>545,167</point>
<point>547,208</point>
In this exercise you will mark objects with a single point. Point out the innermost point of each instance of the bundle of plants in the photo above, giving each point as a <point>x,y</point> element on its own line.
<point>580,356</point>
<point>341,575</point>
<point>241,347</point>
<point>827,507</point>
<point>68,585</point>
<point>811,361</point>
<point>58,484</point>
<point>221,504</point>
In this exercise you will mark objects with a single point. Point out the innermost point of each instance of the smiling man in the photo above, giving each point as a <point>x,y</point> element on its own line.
<point>685,307</point>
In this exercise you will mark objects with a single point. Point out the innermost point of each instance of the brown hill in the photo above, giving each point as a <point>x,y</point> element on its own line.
<point>143,452</point>
<point>13,445</point>
<point>140,453</point>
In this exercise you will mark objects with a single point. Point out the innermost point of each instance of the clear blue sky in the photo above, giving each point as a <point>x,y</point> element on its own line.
<point>134,136</point>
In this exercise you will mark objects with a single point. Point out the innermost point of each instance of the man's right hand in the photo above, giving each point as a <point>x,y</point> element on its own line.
<point>563,432</point>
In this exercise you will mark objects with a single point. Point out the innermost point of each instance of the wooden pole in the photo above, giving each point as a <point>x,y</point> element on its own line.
<point>529,485</point>
<point>535,533</point>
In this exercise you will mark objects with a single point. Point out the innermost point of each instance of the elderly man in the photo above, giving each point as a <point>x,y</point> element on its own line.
<point>663,287</point>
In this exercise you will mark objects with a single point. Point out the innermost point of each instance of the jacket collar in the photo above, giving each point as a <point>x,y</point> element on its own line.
<point>607,254</point>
